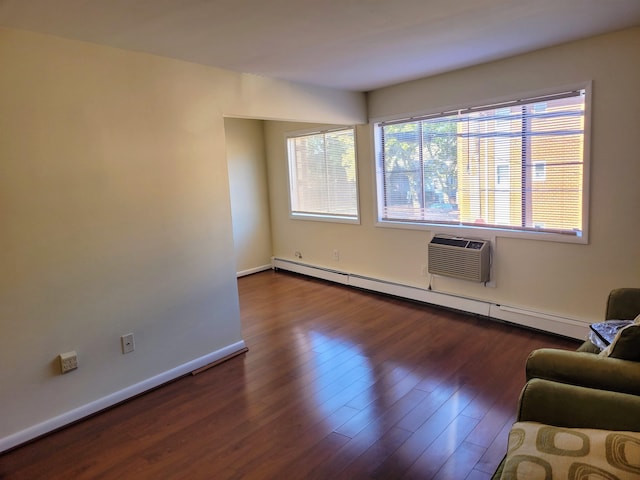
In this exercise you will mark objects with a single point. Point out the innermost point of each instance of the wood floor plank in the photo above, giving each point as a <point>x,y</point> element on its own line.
<point>338,383</point>
<point>422,438</point>
<point>460,464</point>
<point>497,450</point>
<point>478,475</point>
<point>443,447</point>
<point>366,464</point>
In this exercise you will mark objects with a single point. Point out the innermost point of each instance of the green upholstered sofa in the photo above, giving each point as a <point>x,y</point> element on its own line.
<point>568,406</point>
<point>584,367</point>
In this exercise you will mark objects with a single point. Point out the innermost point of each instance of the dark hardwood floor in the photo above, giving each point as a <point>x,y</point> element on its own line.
<point>337,384</point>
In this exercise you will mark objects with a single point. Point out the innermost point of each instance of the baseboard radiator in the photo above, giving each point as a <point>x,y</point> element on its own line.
<point>556,324</point>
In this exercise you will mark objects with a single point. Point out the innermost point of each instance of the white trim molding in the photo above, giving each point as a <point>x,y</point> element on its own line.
<point>251,271</point>
<point>79,413</point>
<point>547,322</point>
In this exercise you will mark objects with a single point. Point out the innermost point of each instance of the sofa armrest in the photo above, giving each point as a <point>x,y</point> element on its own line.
<point>584,369</point>
<point>571,406</point>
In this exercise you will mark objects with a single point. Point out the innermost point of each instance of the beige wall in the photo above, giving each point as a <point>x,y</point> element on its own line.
<point>564,279</point>
<point>249,196</point>
<point>115,217</point>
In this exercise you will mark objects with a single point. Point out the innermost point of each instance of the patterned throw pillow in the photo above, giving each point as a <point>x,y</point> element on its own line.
<point>543,452</point>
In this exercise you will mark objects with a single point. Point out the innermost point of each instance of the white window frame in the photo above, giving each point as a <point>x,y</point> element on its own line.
<point>490,231</point>
<point>320,217</point>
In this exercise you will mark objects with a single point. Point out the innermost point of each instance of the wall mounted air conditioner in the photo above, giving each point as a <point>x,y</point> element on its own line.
<point>463,258</point>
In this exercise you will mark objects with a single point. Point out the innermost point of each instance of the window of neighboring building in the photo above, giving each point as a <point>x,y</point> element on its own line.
<point>517,166</point>
<point>322,175</point>
<point>539,171</point>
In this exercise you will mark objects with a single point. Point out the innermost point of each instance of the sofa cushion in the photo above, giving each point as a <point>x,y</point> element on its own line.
<point>544,452</point>
<point>589,347</point>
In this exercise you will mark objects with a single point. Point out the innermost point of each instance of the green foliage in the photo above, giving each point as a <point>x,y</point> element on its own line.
<point>334,152</point>
<point>421,163</point>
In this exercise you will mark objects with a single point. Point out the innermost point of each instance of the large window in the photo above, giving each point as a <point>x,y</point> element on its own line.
<point>515,166</point>
<point>322,175</point>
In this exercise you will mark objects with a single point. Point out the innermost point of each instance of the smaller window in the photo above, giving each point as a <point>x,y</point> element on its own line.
<point>322,175</point>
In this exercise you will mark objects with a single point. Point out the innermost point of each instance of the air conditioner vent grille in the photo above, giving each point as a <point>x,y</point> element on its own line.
<point>461,258</point>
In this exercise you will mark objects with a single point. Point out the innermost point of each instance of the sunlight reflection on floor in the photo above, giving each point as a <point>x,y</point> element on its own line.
<point>341,372</point>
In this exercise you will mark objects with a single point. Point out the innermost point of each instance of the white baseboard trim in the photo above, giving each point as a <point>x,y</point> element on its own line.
<point>262,268</point>
<point>312,271</point>
<point>79,413</point>
<point>548,322</point>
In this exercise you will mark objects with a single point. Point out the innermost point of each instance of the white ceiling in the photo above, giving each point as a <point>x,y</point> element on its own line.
<point>349,44</point>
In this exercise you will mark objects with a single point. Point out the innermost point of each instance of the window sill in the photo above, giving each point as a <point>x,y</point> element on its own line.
<point>484,232</point>
<point>324,218</point>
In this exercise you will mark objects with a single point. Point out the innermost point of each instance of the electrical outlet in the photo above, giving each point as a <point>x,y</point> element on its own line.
<point>128,344</point>
<point>68,361</point>
<point>336,255</point>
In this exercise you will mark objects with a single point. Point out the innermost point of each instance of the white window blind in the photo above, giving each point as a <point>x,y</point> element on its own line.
<point>518,165</point>
<point>322,174</point>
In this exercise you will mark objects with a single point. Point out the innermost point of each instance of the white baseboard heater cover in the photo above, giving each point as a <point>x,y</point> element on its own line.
<point>463,258</point>
<point>557,324</point>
